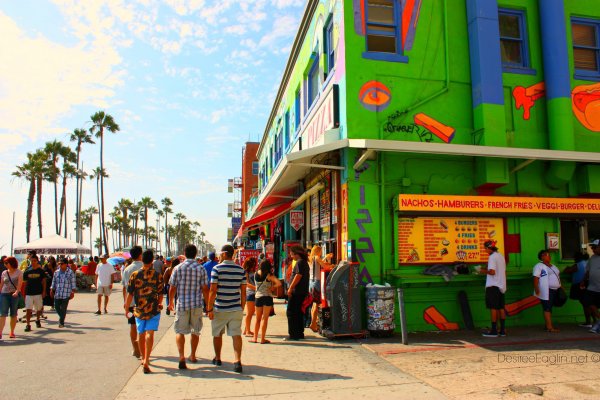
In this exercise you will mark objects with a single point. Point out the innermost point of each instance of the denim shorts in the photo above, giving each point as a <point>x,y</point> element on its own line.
<point>250,296</point>
<point>8,303</point>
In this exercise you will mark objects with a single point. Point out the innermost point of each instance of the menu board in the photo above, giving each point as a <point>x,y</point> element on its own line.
<point>427,240</point>
<point>314,211</point>
<point>325,209</point>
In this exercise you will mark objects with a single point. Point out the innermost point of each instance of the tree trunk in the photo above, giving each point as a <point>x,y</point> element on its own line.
<point>166,237</point>
<point>99,224</point>
<point>80,191</point>
<point>146,226</point>
<point>77,228</point>
<point>63,199</point>
<point>55,197</point>
<point>30,198</point>
<point>40,181</point>
<point>102,184</point>
<point>91,222</point>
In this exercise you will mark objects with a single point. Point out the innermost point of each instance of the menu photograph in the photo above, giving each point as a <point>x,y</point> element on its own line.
<point>427,240</point>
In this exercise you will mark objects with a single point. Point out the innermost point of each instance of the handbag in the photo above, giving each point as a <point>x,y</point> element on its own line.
<point>20,298</point>
<point>561,296</point>
<point>306,303</point>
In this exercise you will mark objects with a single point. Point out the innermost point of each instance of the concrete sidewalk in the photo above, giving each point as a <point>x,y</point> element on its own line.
<point>316,366</point>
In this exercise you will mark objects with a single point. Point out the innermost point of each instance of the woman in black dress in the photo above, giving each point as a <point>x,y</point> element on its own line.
<point>49,269</point>
<point>297,292</point>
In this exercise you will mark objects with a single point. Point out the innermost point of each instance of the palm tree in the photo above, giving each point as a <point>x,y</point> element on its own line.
<point>98,173</point>
<point>68,171</point>
<point>81,176</point>
<point>124,205</point>
<point>103,122</point>
<point>167,203</point>
<point>134,216</point>
<point>159,215</point>
<point>146,203</point>
<point>29,172</point>
<point>80,136</point>
<point>53,149</point>
<point>87,215</point>
<point>179,217</point>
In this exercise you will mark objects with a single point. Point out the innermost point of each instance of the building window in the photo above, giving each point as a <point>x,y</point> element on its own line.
<point>312,83</point>
<point>573,231</point>
<point>586,47</point>
<point>513,41</point>
<point>383,30</point>
<point>297,109</point>
<point>287,130</point>
<point>255,168</point>
<point>328,49</point>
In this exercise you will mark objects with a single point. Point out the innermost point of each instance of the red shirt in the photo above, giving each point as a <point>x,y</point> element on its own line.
<point>90,268</point>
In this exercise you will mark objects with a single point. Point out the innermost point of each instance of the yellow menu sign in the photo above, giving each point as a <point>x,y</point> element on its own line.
<point>426,240</point>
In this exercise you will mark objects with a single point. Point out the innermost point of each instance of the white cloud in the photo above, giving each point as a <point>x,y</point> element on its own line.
<point>216,116</point>
<point>42,81</point>
<point>284,27</point>
<point>236,29</point>
<point>287,3</point>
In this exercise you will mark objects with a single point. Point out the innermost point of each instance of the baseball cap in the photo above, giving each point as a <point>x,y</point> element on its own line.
<point>104,256</point>
<point>63,260</point>
<point>490,244</point>
<point>594,243</point>
<point>228,249</point>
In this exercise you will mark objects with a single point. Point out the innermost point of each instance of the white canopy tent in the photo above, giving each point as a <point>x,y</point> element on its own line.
<point>53,245</point>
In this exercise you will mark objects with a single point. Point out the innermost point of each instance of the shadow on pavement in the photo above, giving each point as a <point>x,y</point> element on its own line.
<point>204,369</point>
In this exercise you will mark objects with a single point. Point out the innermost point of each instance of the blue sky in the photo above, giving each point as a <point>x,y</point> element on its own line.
<point>188,81</point>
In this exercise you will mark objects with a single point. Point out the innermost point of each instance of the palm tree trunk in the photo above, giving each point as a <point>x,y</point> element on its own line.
<point>56,204</point>
<point>40,181</point>
<point>30,198</point>
<point>77,199</point>
<point>102,185</point>
<point>166,231</point>
<point>63,199</point>
<point>98,195</point>
<point>146,226</point>
<point>80,192</point>
<point>91,222</point>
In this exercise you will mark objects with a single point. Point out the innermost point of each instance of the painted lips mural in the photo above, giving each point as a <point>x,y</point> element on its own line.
<point>586,105</point>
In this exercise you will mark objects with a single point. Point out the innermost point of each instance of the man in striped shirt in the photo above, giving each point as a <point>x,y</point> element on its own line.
<point>226,302</point>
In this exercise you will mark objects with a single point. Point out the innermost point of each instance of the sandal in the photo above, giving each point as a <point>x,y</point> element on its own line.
<point>12,336</point>
<point>553,330</point>
<point>252,341</point>
<point>147,370</point>
<point>265,342</point>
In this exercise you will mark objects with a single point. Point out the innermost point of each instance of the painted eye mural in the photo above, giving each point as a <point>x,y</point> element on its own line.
<point>375,96</point>
<point>586,105</point>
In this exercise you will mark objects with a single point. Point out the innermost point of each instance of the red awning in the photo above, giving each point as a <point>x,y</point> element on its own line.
<point>266,216</point>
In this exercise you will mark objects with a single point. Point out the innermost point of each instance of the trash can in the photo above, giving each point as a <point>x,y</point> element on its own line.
<point>380,310</point>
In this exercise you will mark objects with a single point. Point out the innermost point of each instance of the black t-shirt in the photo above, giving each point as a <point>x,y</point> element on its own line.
<point>34,278</point>
<point>301,268</point>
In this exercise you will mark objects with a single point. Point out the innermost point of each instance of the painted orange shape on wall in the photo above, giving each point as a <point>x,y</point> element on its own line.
<point>586,105</point>
<point>444,132</point>
<point>526,97</point>
<point>433,316</point>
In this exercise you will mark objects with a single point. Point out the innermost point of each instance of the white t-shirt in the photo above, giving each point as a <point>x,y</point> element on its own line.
<point>497,263</point>
<point>548,279</point>
<point>104,271</point>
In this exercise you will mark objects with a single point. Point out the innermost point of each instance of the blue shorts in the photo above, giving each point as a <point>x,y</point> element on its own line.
<point>250,296</point>
<point>8,305</point>
<point>144,325</point>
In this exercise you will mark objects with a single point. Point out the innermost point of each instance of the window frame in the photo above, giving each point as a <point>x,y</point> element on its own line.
<point>525,66</point>
<point>312,71</point>
<point>328,50</point>
<point>255,168</point>
<point>398,56</point>
<point>584,74</point>
<point>298,111</point>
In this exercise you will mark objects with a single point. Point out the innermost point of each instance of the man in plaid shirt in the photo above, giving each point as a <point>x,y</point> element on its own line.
<point>62,290</point>
<point>189,281</point>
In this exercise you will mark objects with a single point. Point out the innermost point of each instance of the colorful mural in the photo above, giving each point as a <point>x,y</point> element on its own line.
<point>586,105</point>
<point>525,97</point>
<point>521,305</point>
<point>375,96</point>
<point>444,132</point>
<point>433,316</point>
